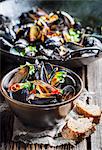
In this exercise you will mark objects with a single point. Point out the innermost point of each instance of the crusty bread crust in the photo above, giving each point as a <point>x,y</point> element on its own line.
<point>71,134</point>
<point>82,110</point>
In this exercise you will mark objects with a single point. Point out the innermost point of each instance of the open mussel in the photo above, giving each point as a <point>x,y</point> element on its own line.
<point>42,83</point>
<point>22,33</point>
<point>69,91</point>
<point>49,68</point>
<point>19,47</point>
<point>70,18</point>
<point>31,16</point>
<point>92,41</point>
<point>21,43</point>
<point>4,21</point>
<point>19,76</point>
<point>60,52</point>
<point>44,73</point>
<point>20,94</point>
<point>57,77</point>
<point>23,48</point>
<point>65,20</point>
<point>42,101</point>
<point>46,52</point>
<point>92,47</point>
<point>37,89</point>
<point>25,18</point>
<point>7,35</point>
<point>61,78</point>
<point>53,42</point>
<point>5,44</point>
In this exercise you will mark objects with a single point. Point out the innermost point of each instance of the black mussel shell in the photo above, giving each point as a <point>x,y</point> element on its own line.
<point>5,44</point>
<point>69,91</point>
<point>46,52</point>
<point>43,73</point>
<point>37,70</point>
<point>92,41</point>
<point>19,76</point>
<point>52,74</point>
<point>78,26</point>
<point>69,80</point>
<point>44,101</point>
<point>89,30</point>
<point>23,34</point>
<point>49,68</point>
<point>52,42</point>
<point>72,46</point>
<point>19,95</point>
<point>4,20</point>
<point>25,19</point>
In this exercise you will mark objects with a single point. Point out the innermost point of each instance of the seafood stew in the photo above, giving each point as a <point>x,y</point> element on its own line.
<point>41,94</point>
<point>43,84</point>
<point>49,36</point>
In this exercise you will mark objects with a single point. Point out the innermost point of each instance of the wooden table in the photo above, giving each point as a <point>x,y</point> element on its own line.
<point>92,78</point>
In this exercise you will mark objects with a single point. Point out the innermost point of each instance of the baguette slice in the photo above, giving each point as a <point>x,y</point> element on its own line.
<point>88,111</point>
<point>78,129</point>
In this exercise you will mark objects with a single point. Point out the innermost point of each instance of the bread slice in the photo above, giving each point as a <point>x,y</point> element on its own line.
<point>88,110</point>
<point>78,129</point>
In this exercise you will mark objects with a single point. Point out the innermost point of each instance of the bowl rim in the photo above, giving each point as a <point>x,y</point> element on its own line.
<point>4,93</point>
<point>33,59</point>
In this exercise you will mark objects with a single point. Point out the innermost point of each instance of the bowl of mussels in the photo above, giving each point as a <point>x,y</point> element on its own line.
<point>41,94</point>
<point>51,37</point>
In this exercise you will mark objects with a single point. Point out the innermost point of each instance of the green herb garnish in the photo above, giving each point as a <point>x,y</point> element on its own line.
<point>32,49</point>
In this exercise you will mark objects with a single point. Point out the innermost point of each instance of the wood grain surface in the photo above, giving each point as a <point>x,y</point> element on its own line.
<point>94,75</point>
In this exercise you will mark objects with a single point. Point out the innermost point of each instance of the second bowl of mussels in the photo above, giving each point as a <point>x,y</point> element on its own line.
<point>49,36</point>
<point>41,94</point>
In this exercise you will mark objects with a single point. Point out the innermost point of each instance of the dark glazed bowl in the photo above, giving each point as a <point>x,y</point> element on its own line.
<point>40,116</point>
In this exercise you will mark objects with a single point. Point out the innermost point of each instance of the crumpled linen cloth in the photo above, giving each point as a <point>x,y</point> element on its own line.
<point>51,137</point>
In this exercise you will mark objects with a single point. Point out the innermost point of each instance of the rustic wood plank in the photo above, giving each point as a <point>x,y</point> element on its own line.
<point>2,147</point>
<point>7,146</point>
<point>32,147</point>
<point>50,148</point>
<point>6,123</point>
<point>95,87</point>
<point>81,146</point>
<point>11,145</point>
<point>37,147</point>
<point>42,147</point>
<point>14,146</point>
<point>28,147</point>
<point>18,146</point>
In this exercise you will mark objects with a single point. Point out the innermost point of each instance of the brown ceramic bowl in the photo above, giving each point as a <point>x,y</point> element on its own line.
<point>40,116</point>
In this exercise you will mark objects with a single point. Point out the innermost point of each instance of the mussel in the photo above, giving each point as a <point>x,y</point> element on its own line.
<point>19,76</point>
<point>4,21</point>
<point>92,41</point>
<point>55,35</point>
<point>42,83</point>
<point>69,91</point>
